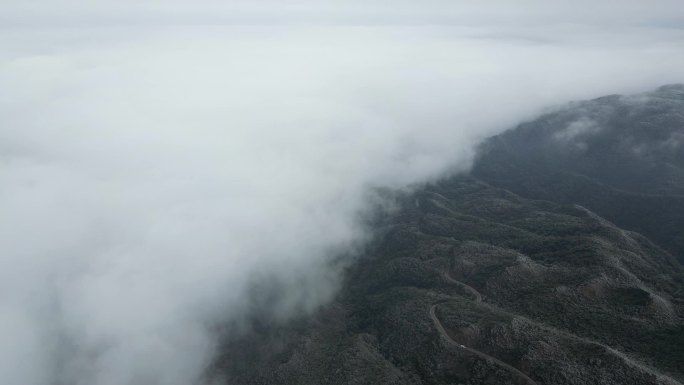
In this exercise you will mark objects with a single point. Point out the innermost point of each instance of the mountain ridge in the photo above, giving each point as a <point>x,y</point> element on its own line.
<point>481,280</point>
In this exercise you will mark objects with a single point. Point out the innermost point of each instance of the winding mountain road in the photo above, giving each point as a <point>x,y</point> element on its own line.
<point>477,297</point>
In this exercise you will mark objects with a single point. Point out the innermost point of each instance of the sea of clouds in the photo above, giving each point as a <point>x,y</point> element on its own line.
<point>160,160</point>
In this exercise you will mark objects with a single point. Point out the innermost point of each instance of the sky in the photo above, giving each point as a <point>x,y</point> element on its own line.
<point>164,165</point>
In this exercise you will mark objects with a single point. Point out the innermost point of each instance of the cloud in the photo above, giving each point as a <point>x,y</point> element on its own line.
<point>577,128</point>
<point>154,175</point>
<point>491,13</point>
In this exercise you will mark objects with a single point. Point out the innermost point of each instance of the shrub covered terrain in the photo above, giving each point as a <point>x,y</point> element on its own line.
<point>516,274</point>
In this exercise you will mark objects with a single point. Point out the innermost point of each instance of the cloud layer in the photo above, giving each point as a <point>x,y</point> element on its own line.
<point>153,175</point>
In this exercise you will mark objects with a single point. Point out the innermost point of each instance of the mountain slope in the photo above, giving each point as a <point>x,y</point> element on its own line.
<point>621,157</point>
<point>514,275</point>
<point>530,289</point>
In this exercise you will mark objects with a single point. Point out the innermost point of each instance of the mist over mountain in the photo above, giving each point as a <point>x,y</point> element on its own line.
<point>619,156</point>
<point>184,182</point>
<point>505,276</point>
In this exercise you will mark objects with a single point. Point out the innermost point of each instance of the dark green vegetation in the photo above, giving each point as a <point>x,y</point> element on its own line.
<point>621,157</point>
<point>516,265</point>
